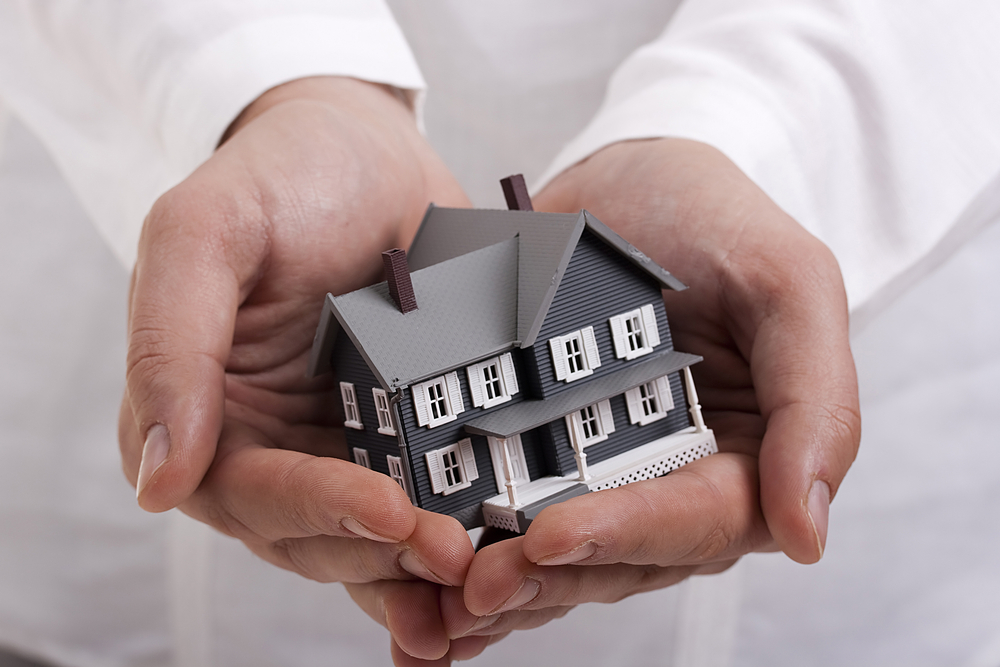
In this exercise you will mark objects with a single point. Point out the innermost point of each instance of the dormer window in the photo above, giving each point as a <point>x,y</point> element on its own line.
<point>352,417</point>
<point>575,355</point>
<point>635,333</point>
<point>438,401</point>
<point>493,381</point>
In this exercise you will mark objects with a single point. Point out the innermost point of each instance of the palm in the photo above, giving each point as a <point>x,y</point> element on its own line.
<point>233,267</point>
<point>765,307</point>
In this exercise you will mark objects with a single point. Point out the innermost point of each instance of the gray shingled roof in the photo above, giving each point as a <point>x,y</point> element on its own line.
<point>527,415</point>
<point>484,281</point>
<point>466,310</point>
<point>547,243</point>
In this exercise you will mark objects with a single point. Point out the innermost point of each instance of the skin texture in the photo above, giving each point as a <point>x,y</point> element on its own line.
<point>766,308</point>
<point>316,178</point>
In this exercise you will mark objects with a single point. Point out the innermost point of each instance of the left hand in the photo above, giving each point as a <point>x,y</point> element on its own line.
<point>767,310</point>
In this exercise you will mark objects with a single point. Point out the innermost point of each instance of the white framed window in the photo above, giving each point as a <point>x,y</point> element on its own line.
<point>361,457</point>
<point>382,410</point>
<point>649,402</point>
<point>591,424</point>
<point>516,452</point>
<point>493,381</point>
<point>438,401</point>
<point>396,472</point>
<point>575,355</point>
<point>352,417</point>
<point>452,468</point>
<point>635,333</point>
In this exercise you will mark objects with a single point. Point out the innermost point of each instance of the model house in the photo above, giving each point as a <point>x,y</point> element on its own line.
<point>513,360</point>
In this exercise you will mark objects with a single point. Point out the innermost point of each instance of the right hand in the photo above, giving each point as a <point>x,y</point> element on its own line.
<point>318,177</point>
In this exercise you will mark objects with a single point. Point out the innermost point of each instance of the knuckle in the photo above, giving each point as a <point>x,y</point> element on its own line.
<point>309,512</point>
<point>297,556</point>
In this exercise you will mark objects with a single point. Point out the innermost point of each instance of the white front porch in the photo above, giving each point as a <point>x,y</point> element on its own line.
<point>653,459</point>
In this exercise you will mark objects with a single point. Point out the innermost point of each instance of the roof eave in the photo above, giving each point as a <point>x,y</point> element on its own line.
<point>633,254</point>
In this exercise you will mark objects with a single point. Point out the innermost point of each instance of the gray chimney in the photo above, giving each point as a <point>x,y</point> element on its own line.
<point>397,274</point>
<point>516,193</point>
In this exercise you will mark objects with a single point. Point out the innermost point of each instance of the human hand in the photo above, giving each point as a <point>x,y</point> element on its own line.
<point>767,310</point>
<point>318,177</point>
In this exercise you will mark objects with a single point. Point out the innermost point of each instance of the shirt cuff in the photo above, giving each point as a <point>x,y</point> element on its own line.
<point>711,112</point>
<point>206,92</point>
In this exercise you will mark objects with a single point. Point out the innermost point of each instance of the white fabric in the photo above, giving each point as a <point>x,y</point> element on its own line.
<point>838,109</point>
<point>872,122</point>
<point>131,97</point>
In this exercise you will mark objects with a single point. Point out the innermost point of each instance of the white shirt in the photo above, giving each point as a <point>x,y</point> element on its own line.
<point>872,123</point>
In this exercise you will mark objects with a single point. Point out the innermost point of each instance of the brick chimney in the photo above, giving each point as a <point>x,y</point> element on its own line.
<point>397,274</point>
<point>516,193</point>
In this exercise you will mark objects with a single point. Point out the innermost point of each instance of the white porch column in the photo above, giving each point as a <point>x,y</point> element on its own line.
<point>581,458</point>
<point>695,407</point>
<point>508,474</point>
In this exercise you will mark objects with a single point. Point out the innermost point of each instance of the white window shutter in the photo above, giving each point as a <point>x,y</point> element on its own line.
<point>607,419</point>
<point>509,376</point>
<point>469,459</point>
<point>475,373</point>
<point>634,401</point>
<point>649,325</point>
<point>590,345</point>
<point>419,393</point>
<point>434,468</point>
<point>663,393</point>
<point>558,357</point>
<point>454,393</point>
<point>618,335</point>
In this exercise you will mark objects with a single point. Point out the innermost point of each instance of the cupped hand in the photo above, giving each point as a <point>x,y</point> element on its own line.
<point>766,308</point>
<point>317,178</point>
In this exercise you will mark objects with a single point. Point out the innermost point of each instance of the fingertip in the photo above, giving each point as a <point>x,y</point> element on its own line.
<point>559,530</point>
<point>154,452</point>
<point>401,658</point>
<point>413,617</point>
<point>818,507</point>
<point>467,648</point>
<point>496,575</point>
<point>440,545</point>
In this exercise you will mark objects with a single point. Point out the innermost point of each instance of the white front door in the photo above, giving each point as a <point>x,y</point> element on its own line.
<point>516,452</point>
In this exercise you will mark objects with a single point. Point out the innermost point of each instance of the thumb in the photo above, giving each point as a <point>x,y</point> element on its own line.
<point>181,317</point>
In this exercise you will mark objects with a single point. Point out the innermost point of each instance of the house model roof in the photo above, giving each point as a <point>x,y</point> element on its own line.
<point>483,280</point>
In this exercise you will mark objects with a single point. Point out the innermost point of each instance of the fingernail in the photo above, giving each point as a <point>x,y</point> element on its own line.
<point>819,512</point>
<point>154,452</point>
<point>410,562</point>
<point>481,623</point>
<point>585,550</point>
<point>525,594</point>
<point>353,526</point>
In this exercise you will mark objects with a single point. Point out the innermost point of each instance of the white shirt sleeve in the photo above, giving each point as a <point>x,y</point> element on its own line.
<point>130,97</point>
<point>873,122</point>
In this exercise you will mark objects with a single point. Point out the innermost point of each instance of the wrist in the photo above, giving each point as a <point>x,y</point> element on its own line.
<point>366,99</point>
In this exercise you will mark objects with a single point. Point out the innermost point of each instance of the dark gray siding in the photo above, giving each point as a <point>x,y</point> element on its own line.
<point>626,436</point>
<point>349,366</point>
<point>599,283</point>
<point>421,440</point>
